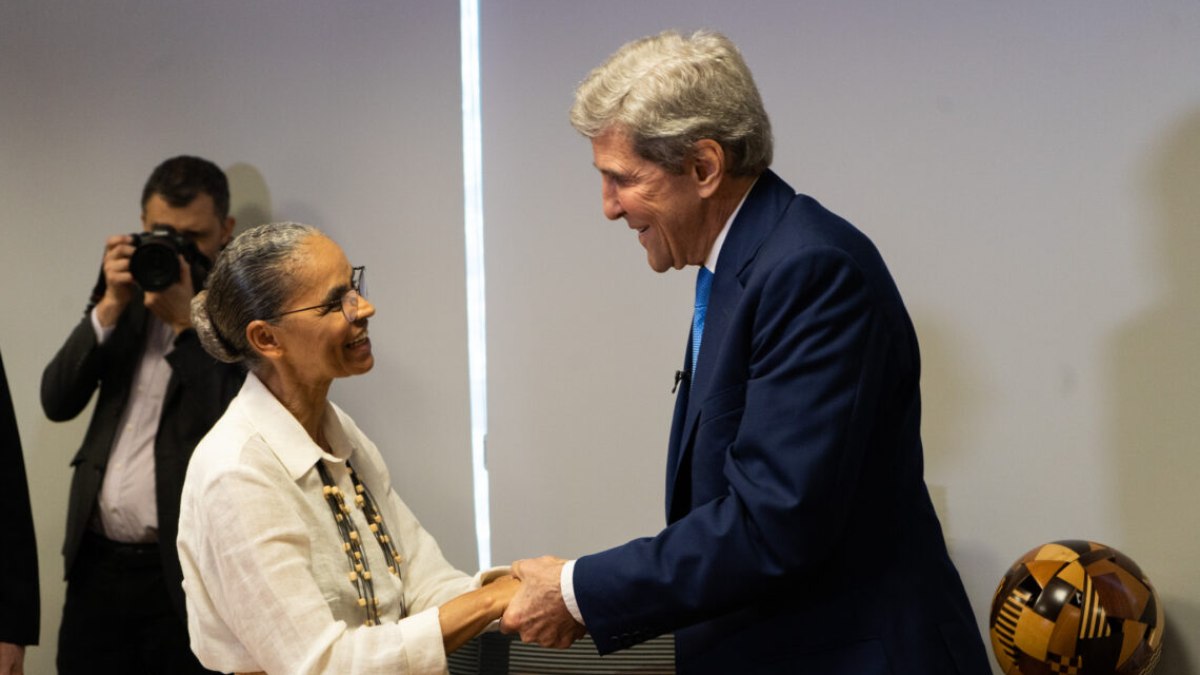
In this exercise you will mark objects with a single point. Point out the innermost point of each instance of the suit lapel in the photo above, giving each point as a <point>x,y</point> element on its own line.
<point>682,397</point>
<point>768,199</point>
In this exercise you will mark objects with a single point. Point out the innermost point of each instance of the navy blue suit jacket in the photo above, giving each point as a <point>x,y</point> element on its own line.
<point>801,536</point>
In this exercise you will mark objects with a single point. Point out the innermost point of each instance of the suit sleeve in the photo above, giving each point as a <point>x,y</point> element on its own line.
<point>811,342</point>
<point>73,374</point>
<point>20,609</point>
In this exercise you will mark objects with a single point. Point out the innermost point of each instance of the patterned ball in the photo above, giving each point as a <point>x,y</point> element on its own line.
<point>1076,608</point>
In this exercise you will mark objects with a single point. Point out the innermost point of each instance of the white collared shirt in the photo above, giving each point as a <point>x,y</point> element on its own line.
<point>264,570</point>
<point>128,504</point>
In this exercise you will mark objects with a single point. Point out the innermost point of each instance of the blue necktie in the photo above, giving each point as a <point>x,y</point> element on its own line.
<point>703,287</point>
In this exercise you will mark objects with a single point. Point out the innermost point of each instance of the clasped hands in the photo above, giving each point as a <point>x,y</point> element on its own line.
<point>537,612</point>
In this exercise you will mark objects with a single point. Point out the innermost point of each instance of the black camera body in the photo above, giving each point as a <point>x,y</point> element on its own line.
<point>155,261</point>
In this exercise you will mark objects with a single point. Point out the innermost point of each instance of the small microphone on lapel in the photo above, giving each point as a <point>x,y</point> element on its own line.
<point>678,377</point>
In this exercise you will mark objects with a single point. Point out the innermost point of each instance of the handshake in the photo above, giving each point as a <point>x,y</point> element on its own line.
<point>537,611</point>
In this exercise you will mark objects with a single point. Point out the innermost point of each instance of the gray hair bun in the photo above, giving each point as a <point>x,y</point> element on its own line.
<point>210,337</point>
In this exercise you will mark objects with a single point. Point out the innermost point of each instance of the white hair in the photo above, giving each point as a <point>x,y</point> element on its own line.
<point>668,91</point>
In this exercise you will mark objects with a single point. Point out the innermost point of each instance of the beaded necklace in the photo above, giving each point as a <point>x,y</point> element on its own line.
<point>360,569</point>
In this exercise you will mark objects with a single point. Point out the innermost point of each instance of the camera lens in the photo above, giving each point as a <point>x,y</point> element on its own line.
<point>154,265</point>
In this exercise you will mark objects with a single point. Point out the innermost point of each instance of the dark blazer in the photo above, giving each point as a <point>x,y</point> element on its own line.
<point>20,604</point>
<point>801,536</point>
<point>198,392</point>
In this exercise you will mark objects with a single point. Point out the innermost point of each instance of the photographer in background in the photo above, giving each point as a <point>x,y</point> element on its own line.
<point>160,392</point>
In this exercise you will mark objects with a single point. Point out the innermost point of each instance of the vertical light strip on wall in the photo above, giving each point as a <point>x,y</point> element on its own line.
<point>476,306</point>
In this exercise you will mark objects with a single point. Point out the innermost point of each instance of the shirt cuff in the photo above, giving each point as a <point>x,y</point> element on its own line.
<point>566,581</point>
<point>484,577</point>
<point>102,333</point>
<point>422,639</point>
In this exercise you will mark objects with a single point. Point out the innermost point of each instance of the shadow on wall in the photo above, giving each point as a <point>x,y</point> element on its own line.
<point>249,197</point>
<point>951,400</point>
<point>1155,434</point>
<point>948,401</point>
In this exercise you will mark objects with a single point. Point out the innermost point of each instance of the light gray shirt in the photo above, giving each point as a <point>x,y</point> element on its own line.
<point>128,506</point>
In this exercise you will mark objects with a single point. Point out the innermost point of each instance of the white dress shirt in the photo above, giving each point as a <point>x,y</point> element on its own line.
<point>128,503</point>
<point>266,579</point>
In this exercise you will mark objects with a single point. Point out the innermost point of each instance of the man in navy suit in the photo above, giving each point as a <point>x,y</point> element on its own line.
<point>800,536</point>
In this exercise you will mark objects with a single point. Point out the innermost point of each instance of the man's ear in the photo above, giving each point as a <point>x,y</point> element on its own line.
<point>707,166</point>
<point>227,230</point>
<point>261,336</point>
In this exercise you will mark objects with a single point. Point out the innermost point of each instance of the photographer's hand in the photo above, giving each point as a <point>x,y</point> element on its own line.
<point>117,278</point>
<point>173,304</point>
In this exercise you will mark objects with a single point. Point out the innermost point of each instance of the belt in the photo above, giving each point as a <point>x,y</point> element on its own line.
<point>119,548</point>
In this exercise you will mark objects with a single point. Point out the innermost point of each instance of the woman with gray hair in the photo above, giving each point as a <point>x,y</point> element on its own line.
<point>297,555</point>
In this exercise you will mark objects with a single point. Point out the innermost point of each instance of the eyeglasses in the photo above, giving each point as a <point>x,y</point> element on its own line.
<point>348,302</point>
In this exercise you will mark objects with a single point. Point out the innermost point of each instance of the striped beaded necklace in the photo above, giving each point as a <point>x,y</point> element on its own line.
<point>360,569</point>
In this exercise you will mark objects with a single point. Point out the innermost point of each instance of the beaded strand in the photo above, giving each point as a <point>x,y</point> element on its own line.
<point>360,569</point>
<point>370,508</point>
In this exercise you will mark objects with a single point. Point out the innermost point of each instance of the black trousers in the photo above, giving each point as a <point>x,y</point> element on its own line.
<point>118,617</point>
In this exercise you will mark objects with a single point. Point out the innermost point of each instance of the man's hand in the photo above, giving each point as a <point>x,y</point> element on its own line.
<point>118,281</point>
<point>12,659</point>
<point>538,612</point>
<point>173,304</point>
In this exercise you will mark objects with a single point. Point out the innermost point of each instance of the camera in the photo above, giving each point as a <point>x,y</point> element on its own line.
<point>155,261</point>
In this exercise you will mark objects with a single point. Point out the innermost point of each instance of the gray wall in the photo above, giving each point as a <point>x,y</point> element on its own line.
<point>1029,171</point>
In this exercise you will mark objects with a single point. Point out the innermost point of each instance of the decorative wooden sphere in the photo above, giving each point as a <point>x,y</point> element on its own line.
<point>1076,608</point>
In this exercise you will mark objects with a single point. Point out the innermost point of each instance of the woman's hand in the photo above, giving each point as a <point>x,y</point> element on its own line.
<point>469,614</point>
<point>503,589</point>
